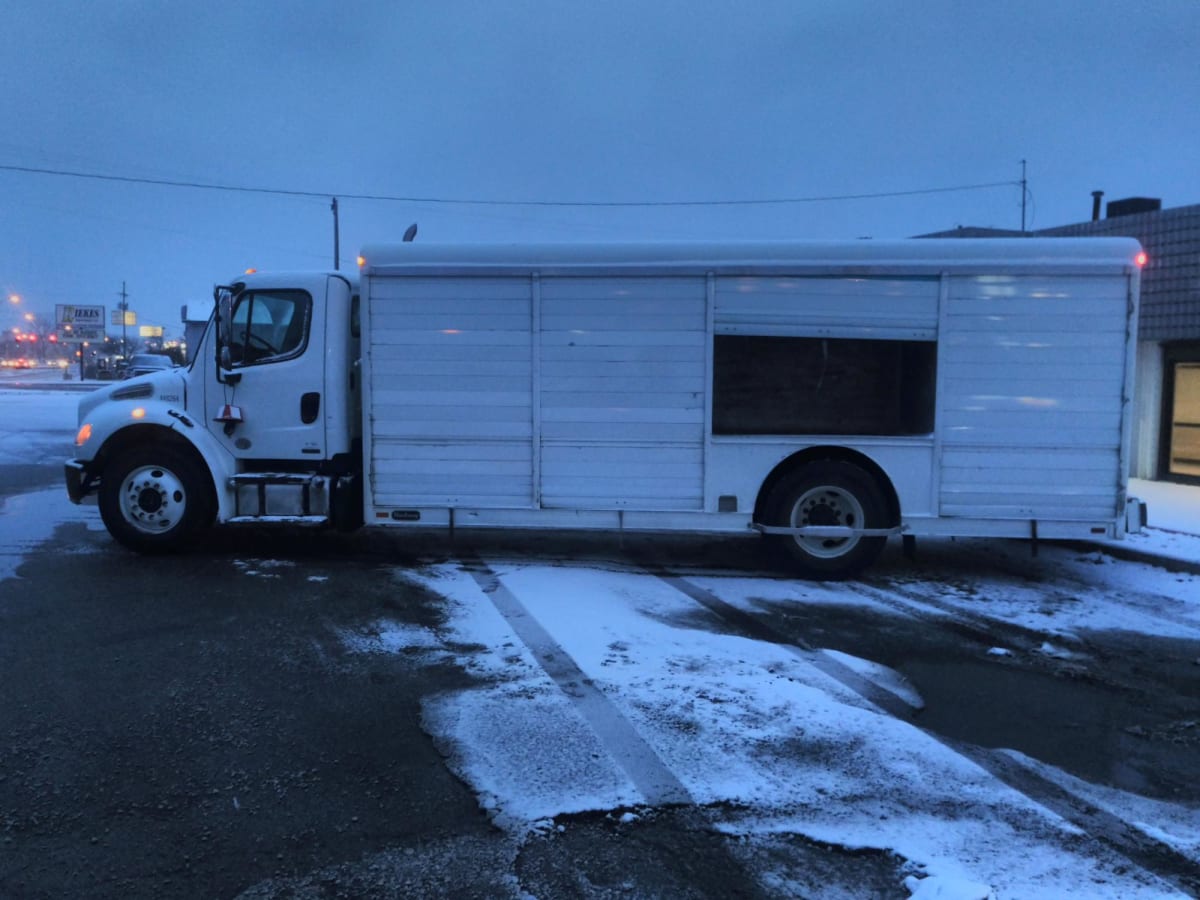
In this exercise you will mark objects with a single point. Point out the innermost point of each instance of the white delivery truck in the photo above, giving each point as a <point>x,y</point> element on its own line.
<point>827,395</point>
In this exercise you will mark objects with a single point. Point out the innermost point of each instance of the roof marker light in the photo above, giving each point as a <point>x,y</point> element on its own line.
<point>1141,259</point>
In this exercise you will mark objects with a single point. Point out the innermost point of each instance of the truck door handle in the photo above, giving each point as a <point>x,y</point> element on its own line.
<point>310,407</point>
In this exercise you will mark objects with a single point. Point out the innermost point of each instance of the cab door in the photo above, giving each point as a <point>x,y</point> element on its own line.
<point>275,381</point>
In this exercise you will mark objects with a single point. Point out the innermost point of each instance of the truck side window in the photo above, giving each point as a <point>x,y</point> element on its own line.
<point>269,326</point>
<point>808,385</point>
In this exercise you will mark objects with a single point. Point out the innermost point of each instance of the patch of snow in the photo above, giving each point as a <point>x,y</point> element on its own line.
<point>1169,507</point>
<point>473,621</point>
<point>265,564</point>
<point>882,676</point>
<point>757,735</point>
<point>262,568</point>
<point>941,888</point>
<point>1175,825</point>
<point>1173,520</point>
<point>34,423</point>
<point>527,752</point>
<point>1048,649</point>
<point>390,637</point>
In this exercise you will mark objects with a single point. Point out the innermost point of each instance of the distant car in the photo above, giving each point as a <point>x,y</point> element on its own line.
<point>144,363</point>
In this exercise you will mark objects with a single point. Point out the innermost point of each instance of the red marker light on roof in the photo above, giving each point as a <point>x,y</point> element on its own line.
<point>1141,259</point>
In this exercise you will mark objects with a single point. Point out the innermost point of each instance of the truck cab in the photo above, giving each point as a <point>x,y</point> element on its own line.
<point>263,425</point>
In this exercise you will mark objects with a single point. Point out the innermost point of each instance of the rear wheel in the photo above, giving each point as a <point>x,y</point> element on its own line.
<point>828,493</point>
<point>153,498</point>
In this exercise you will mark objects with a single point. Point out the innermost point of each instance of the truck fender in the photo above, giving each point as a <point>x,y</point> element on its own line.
<point>150,422</point>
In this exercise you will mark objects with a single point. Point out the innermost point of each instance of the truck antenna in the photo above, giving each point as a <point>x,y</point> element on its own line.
<point>337,253</point>
<point>1024,195</point>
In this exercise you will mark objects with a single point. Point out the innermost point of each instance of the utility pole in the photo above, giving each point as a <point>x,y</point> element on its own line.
<point>1024,195</point>
<point>337,256</point>
<point>124,307</point>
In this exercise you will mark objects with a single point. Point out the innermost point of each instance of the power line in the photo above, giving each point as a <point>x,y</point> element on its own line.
<point>243,189</point>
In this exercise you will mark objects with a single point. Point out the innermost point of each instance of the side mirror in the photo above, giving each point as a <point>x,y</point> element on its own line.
<point>224,319</point>
<point>224,334</point>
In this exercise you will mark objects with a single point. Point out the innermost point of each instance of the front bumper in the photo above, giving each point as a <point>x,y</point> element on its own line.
<point>79,482</point>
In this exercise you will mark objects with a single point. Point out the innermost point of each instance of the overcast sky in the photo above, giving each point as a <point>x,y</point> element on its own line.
<point>550,101</point>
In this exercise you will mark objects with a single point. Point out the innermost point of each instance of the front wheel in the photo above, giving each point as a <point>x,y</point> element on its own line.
<point>152,498</point>
<point>828,493</point>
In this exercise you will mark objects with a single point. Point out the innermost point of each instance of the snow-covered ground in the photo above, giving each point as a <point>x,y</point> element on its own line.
<point>756,733</point>
<point>1173,512</point>
<point>603,687</point>
<point>33,425</point>
<point>31,420</point>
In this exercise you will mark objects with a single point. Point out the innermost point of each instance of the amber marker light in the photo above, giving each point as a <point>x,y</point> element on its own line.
<point>250,271</point>
<point>138,412</point>
<point>84,435</point>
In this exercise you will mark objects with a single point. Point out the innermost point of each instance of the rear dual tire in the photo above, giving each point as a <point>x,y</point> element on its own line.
<point>828,493</point>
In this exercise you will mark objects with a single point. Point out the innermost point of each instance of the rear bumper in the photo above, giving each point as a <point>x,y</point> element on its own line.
<point>79,482</point>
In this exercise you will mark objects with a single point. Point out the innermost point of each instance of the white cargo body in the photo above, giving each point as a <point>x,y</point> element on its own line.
<point>829,395</point>
<point>670,387</point>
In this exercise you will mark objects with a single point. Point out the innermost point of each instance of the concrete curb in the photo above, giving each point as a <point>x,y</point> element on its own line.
<point>1133,554</point>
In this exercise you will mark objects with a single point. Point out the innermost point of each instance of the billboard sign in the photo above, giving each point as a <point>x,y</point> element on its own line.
<point>79,323</point>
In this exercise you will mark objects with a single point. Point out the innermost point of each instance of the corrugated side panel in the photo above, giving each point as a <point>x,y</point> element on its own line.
<point>623,392</point>
<point>895,308</point>
<point>451,392</point>
<point>1032,373</point>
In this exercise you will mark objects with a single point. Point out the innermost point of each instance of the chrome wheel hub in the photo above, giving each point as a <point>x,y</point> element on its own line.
<point>153,499</point>
<point>827,505</point>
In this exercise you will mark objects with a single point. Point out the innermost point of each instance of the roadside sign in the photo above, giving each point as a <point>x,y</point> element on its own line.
<point>78,334</point>
<point>65,314</point>
<point>79,323</point>
<point>130,317</point>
